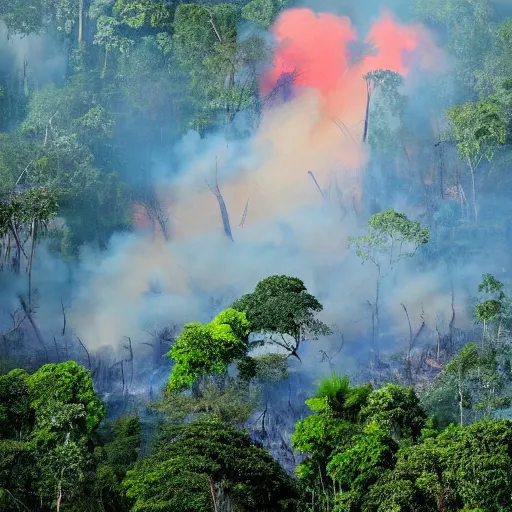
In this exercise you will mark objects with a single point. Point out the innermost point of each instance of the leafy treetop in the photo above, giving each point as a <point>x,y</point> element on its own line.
<point>279,306</point>
<point>203,349</point>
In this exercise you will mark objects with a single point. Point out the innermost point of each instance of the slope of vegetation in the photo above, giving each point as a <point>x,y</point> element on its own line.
<point>420,428</point>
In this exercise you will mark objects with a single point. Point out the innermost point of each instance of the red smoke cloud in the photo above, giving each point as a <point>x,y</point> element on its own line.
<point>316,49</point>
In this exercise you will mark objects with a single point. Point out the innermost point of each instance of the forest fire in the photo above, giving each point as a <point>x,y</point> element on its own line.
<point>319,127</point>
<point>316,49</point>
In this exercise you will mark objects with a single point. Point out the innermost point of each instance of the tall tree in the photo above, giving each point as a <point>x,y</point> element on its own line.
<point>282,308</point>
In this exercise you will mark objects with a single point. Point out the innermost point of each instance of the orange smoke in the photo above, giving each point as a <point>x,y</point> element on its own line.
<point>318,130</point>
<point>315,50</point>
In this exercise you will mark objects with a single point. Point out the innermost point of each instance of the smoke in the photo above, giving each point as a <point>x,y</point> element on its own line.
<point>281,224</point>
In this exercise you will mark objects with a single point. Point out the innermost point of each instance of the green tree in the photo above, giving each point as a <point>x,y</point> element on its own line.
<point>387,83</point>
<point>351,438</point>
<point>397,411</point>
<point>490,310</point>
<point>203,349</point>
<point>262,12</point>
<point>479,129</point>
<point>459,469</point>
<point>282,308</point>
<point>390,237</point>
<point>208,464</point>
<point>222,71</point>
<point>48,424</point>
<point>466,30</point>
<point>473,385</point>
<point>117,455</point>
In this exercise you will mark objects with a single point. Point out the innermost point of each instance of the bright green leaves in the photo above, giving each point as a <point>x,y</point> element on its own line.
<point>48,424</point>
<point>281,305</point>
<point>390,232</point>
<point>54,386</point>
<point>396,410</point>
<point>352,439</point>
<point>460,469</point>
<point>203,349</point>
<point>479,129</point>
<point>16,415</point>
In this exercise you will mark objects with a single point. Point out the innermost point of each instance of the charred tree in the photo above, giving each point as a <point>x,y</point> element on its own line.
<point>222,205</point>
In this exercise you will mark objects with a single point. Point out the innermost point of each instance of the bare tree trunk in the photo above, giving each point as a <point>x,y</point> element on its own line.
<point>59,491</point>
<point>376,326</point>
<point>212,492</point>
<point>86,351</point>
<point>473,189</point>
<point>367,112</point>
<point>459,391</point>
<point>80,22</point>
<point>30,261</point>
<point>222,206</point>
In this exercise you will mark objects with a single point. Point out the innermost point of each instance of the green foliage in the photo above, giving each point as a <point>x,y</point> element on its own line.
<point>56,386</point>
<point>357,468</point>
<point>51,449</point>
<point>397,411</point>
<point>16,415</point>
<point>203,349</point>
<point>388,232</point>
<point>189,460</point>
<point>473,385</point>
<point>352,439</point>
<point>467,30</point>
<point>117,455</point>
<point>229,403</point>
<point>461,469</point>
<point>137,13</point>
<point>221,70</point>
<point>479,129</point>
<point>262,12</point>
<point>281,305</point>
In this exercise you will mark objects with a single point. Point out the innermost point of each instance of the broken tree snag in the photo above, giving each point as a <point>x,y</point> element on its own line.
<point>367,111</point>
<point>222,205</point>
<point>244,216</point>
<point>316,183</point>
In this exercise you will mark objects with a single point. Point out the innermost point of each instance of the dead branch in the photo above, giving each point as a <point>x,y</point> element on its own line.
<point>130,360</point>
<point>86,351</point>
<point>222,204</point>
<point>244,216</point>
<point>16,324</point>
<point>63,318</point>
<point>317,185</point>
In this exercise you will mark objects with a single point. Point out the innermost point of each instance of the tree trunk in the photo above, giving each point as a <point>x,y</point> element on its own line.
<point>376,333</point>
<point>460,403</point>
<point>59,491</point>
<point>30,261</point>
<point>80,23</point>
<point>473,189</point>
<point>367,112</point>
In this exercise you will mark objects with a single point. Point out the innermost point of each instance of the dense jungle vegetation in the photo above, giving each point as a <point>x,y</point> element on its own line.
<point>114,85</point>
